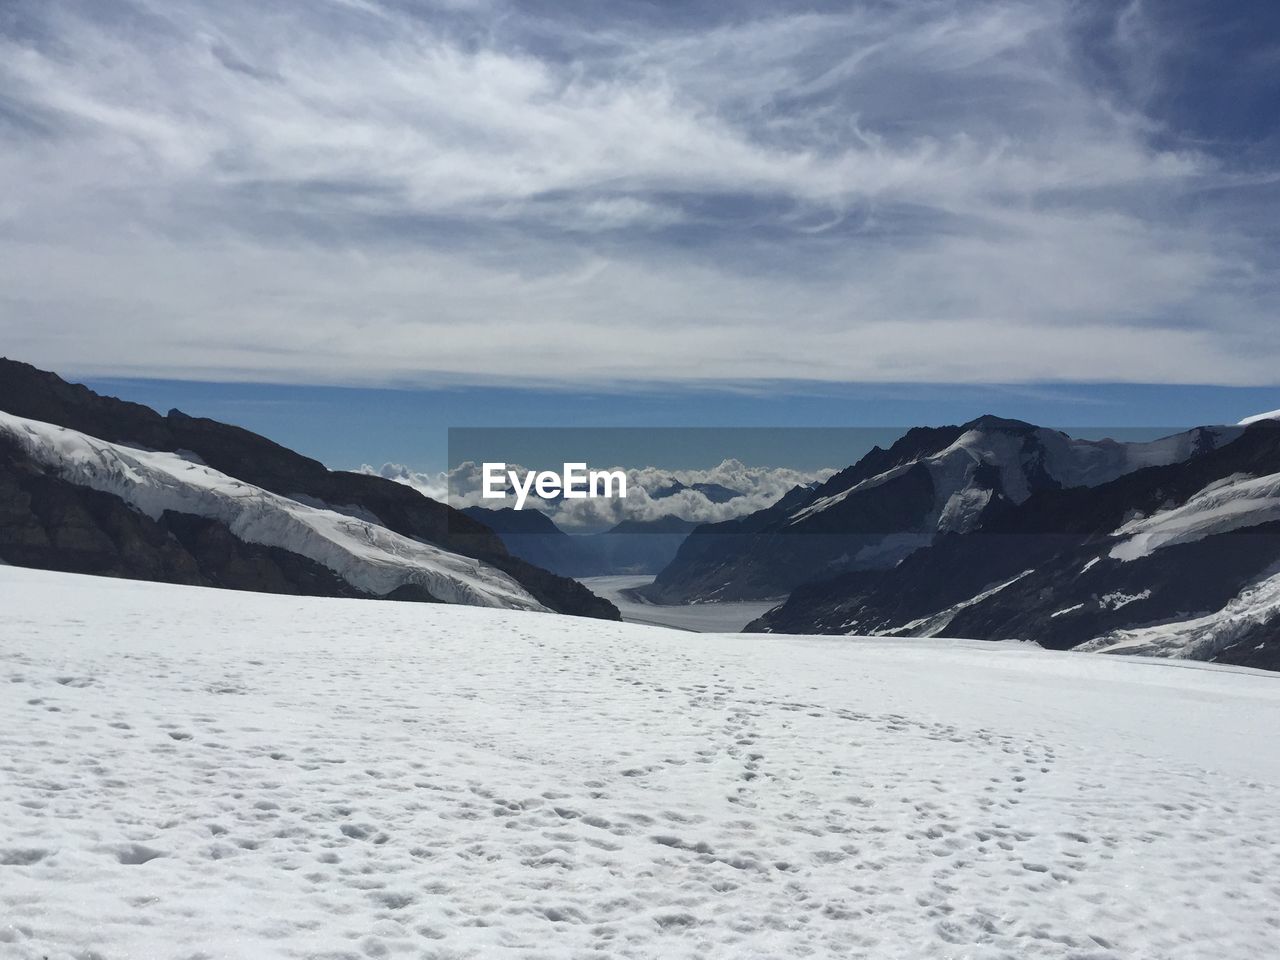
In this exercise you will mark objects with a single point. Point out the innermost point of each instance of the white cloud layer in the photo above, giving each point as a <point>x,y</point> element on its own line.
<point>649,492</point>
<point>369,191</point>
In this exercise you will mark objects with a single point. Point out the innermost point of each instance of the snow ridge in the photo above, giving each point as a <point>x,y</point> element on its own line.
<point>935,623</point>
<point>1066,460</point>
<point>365,554</point>
<point>1232,503</point>
<point>1259,417</point>
<point>1200,638</point>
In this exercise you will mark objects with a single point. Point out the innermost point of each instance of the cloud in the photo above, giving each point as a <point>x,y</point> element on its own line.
<point>652,492</point>
<point>433,485</point>
<point>369,191</point>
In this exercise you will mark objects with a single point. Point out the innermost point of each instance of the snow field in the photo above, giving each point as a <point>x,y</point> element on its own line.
<point>194,773</point>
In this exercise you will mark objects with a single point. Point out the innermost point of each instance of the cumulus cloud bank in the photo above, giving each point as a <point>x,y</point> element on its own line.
<point>408,192</point>
<point>652,492</point>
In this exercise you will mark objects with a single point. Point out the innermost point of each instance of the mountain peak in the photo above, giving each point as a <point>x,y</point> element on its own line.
<point>990,422</point>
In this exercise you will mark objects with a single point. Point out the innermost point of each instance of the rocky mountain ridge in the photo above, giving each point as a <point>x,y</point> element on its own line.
<point>931,482</point>
<point>1174,559</point>
<point>29,393</point>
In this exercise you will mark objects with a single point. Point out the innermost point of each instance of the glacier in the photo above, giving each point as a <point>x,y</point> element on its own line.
<point>364,553</point>
<point>188,772</point>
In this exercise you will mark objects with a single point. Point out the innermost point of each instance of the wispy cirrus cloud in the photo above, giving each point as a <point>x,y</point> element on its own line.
<point>364,191</point>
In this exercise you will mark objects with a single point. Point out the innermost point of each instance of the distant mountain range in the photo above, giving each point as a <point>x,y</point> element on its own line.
<point>998,529</point>
<point>93,484</point>
<point>993,529</point>
<point>715,492</point>
<point>630,547</point>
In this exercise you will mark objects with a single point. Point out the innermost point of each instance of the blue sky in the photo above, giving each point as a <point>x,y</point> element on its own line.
<point>731,212</point>
<point>347,427</point>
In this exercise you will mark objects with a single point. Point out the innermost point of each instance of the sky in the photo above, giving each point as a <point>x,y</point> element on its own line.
<point>473,211</point>
<point>793,425</point>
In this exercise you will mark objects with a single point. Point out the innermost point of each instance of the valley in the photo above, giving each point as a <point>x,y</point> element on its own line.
<point>726,617</point>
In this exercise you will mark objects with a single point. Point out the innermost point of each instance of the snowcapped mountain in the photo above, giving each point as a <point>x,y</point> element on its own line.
<point>124,491</point>
<point>1180,559</point>
<point>363,553</point>
<point>1007,458</point>
<point>931,482</point>
<point>1257,417</point>
<point>715,492</point>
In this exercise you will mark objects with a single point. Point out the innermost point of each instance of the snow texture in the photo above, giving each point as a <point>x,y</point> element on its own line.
<point>365,554</point>
<point>1259,417</point>
<point>1232,503</point>
<point>1200,638</point>
<point>936,623</point>
<point>198,773</point>
<point>1069,461</point>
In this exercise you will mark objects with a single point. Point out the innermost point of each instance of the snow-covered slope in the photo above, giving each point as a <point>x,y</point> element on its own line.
<point>1019,455</point>
<point>366,555</point>
<point>1257,607</point>
<point>189,772</point>
<point>1174,560</point>
<point>893,502</point>
<point>1259,417</point>
<point>1231,503</point>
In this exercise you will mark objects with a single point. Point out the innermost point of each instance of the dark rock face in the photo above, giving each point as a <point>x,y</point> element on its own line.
<point>39,395</point>
<point>768,553</point>
<point>48,523</point>
<point>229,562</point>
<point>412,593</point>
<point>1259,648</point>
<point>1060,603</point>
<point>641,546</point>
<point>1050,558</point>
<point>534,537</point>
<point>631,547</point>
<point>893,502</point>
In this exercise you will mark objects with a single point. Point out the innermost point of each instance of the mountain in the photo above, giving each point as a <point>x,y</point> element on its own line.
<point>931,482</point>
<point>630,547</point>
<point>533,536</point>
<point>174,490</point>
<point>195,500</point>
<point>1180,559</point>
<point>715,492</point>
<point>639,546</point>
